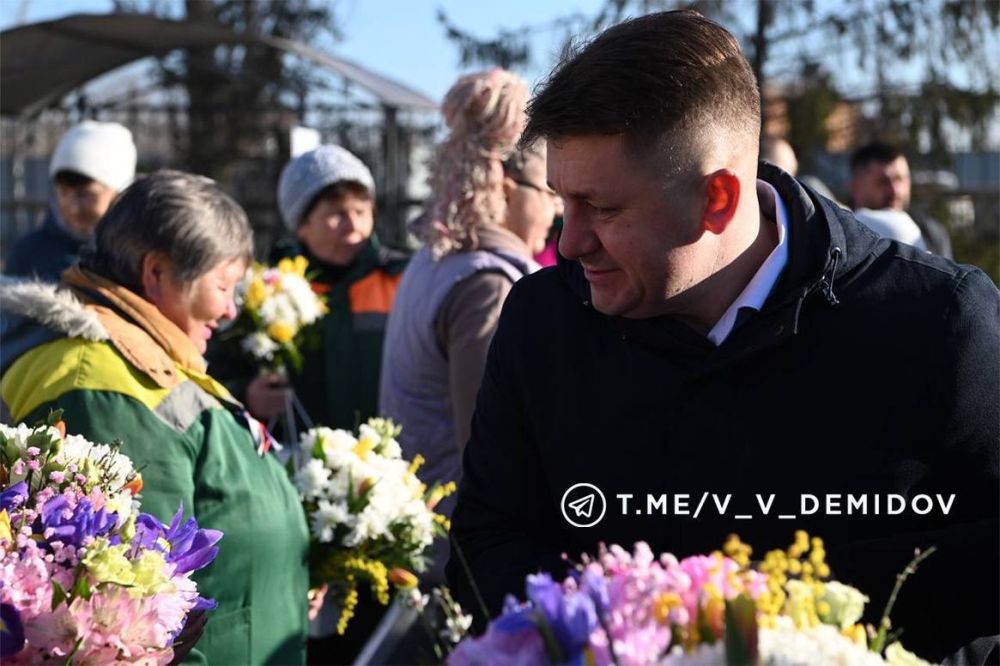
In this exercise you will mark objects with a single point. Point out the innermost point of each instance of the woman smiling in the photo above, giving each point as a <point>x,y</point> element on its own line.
<point>118,346</point>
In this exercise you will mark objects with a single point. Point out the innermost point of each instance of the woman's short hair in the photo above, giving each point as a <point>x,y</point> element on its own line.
<point>181,215</point>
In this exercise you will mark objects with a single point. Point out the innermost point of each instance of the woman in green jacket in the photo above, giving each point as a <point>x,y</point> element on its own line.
<point>118,346</point>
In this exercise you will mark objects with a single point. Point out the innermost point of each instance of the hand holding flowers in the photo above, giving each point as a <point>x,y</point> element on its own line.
<point>277,307</point>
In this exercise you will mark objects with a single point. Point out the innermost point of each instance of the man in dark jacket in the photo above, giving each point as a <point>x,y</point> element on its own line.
<point>880,181</point>
<point>716,334</point>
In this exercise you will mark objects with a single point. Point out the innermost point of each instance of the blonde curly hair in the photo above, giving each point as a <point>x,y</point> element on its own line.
<point>485,115</point>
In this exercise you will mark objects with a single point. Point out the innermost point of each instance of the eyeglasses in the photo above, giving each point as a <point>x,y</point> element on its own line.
<point>537,188</point>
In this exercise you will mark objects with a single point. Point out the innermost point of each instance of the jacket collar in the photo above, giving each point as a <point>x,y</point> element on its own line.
<point>369,258</point>
<point>98,291</point>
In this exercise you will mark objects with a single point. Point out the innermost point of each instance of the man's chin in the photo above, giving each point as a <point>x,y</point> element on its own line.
<point>609,305</point>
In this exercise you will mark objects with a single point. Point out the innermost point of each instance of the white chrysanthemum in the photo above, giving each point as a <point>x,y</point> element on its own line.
<point>278,308</point>
<point>365,431</point>
<point>116,468</point>
<point>368,467</point>
<point>785,645</point>
<point>337,442</point>
<point>75,448</point>
<point>260,346</point>
<point>391,449</point>
<point>703,655</point>
<point>313,480</point>
<point>19,434</point>
<point>823,645</point>
<point>122,504</point>
<point>327,517</point>
<point>301,295</point>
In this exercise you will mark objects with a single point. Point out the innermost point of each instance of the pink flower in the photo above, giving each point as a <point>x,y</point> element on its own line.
<point>53,632</point>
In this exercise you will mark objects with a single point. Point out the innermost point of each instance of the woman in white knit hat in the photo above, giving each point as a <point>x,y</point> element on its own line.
<point>92,163</point>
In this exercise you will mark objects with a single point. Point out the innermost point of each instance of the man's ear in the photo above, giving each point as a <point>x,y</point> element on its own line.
<point>722,196</point>
<point>156,270</point>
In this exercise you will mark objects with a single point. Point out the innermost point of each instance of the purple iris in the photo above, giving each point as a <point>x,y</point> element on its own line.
<point>82,522</point>
<point>191,548</point>
<point>596,587</point>
<point>14,496</point>
<point>148,532</point>
<point>572,617</point>
<point>11,631</point>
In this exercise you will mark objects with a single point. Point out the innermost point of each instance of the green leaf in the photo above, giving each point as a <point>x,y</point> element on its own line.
<point>54,417</point>
<point>741,631</point>
<point>317,451</point>
<point>72,655</point>
<point>704,628</point>
<point>552,647</point>
<point>81,588</point>
<point>58,594</point>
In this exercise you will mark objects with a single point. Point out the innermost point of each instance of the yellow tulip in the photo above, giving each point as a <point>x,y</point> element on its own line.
<point>281,332</point>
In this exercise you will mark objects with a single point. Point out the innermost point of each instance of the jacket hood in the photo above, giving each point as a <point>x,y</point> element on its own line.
<point>33,312</point>
<point>827,247</point>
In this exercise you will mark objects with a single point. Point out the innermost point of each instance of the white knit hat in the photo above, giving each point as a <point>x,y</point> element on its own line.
<point>102,151</point>
<point>304,177</point>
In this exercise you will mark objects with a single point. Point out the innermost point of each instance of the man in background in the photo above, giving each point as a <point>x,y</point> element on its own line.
<point>92,163</point>
<point>880,184</point>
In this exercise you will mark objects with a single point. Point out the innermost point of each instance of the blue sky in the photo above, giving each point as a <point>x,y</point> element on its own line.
<point>398,38</point>
<point>402,39</point>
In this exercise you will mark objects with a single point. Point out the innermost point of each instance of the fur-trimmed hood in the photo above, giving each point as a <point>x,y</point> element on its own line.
<point>33,312</point>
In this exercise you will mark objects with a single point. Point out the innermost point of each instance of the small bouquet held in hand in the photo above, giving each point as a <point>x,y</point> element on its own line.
<point>636,608</point>
<point>85,577</point>
<point>277,306</point>
<point>370,517</point>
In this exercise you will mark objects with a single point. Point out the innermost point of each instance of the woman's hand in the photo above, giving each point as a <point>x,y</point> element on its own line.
<point>267,395</point>
<point>316,598</point>
<point>189,636</point>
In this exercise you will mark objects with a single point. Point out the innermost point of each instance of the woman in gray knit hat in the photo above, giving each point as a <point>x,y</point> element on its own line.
<point>327,201</point>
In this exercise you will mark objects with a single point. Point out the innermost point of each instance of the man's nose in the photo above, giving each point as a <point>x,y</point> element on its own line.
<point>577,238</point>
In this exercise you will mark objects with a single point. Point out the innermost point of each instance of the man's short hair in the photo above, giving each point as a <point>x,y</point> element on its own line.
<point>647,77</point>
<point>876,151</point>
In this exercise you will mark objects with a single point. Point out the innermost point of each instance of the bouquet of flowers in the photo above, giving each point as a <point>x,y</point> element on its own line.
<point>84,576</point>
<point>277,305</point>
<point>370,517</point>
<point>636,608</point>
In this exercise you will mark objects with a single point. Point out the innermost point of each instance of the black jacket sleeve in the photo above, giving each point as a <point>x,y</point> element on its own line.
<point>497,528</point>
<point>965,462</point>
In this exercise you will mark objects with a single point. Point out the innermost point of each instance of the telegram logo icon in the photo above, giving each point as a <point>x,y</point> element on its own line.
<point>583,505</point>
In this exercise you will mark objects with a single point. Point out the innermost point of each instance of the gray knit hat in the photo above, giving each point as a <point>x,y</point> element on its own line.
<point>304,177</point>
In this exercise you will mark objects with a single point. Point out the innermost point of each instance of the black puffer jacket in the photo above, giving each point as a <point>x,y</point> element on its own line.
<point>872,369</point>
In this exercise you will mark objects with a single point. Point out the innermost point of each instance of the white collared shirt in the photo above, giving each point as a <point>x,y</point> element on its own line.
<point>759,288</point>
